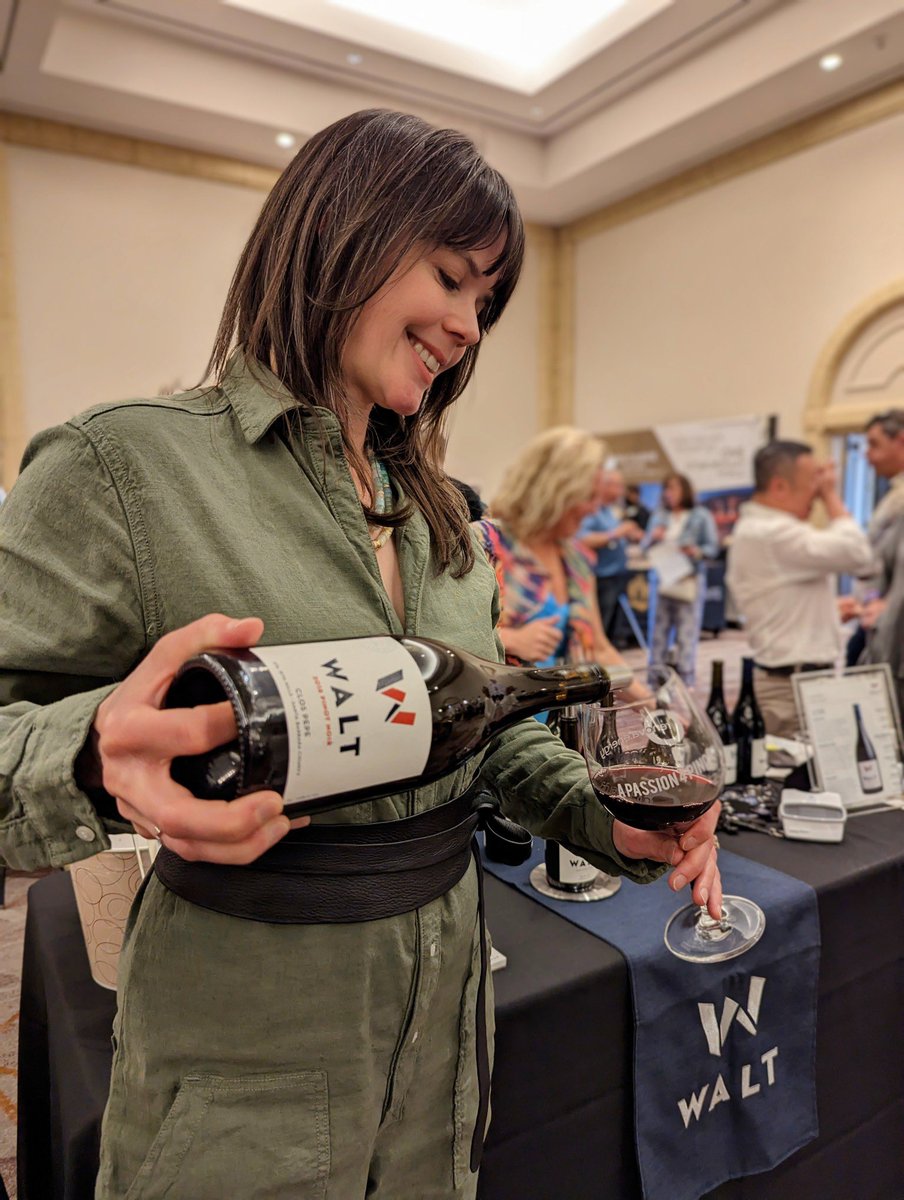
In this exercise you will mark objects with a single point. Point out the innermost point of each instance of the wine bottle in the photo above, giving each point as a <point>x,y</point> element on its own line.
<point>749,730</point>
<point>334,723</point>
<point>565,870</point>
<point>662,748</point>
<point>718,714</point>
<point>610,742</point>
<point>867,762</point>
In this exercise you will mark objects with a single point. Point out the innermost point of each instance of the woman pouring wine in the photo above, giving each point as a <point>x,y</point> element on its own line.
<point>261,1056</point>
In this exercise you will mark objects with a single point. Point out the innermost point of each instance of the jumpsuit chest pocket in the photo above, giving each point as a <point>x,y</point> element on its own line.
<point>265,1136</point>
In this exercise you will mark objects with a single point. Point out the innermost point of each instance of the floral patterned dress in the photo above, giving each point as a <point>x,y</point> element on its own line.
<point>526,590</point>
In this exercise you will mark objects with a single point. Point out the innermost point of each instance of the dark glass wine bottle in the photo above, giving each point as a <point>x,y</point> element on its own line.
<point>718,714</point>
<point>750,731</point>
<point>610,742</point>
<point>660,750</point>
<point>334,723</point>
<point>868,771</point>
<point>565,870</point>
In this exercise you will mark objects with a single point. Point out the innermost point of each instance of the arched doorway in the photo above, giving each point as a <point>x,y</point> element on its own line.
<point>859,374</point>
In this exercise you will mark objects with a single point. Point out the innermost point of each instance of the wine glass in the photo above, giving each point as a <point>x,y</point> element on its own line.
<point>657,764</point>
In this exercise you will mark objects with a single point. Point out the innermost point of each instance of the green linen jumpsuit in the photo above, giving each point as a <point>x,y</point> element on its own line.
<point>279,1062</point>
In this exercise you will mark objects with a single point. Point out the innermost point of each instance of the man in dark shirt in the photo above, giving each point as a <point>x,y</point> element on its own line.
<point>634,510</point>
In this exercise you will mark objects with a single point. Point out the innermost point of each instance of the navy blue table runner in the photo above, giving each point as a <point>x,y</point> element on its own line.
<point>724,1053</point>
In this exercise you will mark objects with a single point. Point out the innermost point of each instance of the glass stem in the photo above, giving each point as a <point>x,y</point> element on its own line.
<point>708,927</point>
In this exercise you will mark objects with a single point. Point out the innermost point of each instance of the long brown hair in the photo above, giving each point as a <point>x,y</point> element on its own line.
<point>687,498</point>
<point>356,199</point>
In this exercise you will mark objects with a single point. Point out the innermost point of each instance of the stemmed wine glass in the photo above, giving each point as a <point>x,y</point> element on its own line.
<point>658,764</point>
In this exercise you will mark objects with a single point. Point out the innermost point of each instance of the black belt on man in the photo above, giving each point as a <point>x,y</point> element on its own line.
<point>795,668</point>
<point>348,873</point>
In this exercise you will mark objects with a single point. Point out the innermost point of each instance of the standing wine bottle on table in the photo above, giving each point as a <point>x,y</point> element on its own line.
<point>565,870</point>
<point>749,730</point>
<point>291,1021</point>
<point>717,712</point>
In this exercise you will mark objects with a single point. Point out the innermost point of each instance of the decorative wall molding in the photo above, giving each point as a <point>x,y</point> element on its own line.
<point>826,411</point>
<point>555,357</point>
<point>847,117</point>
<point>12,423</point>
<point>39,134</point>
<point>562,410</point>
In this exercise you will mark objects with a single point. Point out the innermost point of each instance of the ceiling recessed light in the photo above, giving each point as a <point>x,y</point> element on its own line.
<point>354,60</point>
<point>830,62</point>
<point>536,112</point>
<point>285,140</point>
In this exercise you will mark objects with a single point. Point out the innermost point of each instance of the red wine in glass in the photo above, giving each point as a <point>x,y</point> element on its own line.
<point>654,797</point>
<point>656,764</point>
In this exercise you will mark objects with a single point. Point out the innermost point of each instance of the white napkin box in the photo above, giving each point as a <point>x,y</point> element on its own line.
<point>812,816</point>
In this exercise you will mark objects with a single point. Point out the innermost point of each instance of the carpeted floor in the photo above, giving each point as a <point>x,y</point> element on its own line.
<point>12,931</point>
<point>730,646</point>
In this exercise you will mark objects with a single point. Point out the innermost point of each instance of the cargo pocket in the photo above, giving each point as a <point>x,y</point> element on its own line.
<point>467,1090</point>
<point>265,1136</point>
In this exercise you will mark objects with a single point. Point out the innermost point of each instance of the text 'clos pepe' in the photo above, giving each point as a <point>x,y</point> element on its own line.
<point>333,723</point>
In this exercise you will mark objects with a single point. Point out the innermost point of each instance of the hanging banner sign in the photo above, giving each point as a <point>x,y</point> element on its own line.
<point>716,456</point>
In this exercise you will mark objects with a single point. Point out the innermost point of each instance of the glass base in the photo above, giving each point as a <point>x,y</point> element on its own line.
<point>602,887</point>
<point>693,935</point>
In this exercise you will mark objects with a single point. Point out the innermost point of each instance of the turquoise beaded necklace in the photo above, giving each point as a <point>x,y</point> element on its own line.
<point>382,499</point>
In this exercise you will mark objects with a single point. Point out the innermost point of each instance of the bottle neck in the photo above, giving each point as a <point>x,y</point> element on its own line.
<point>581,683</point>
<point>716,695</point>
<point>747,678</point>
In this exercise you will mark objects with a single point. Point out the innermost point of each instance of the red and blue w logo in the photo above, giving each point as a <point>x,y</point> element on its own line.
<point>396,715</point>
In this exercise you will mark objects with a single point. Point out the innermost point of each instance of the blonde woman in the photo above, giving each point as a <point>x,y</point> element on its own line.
<point>546,582</point>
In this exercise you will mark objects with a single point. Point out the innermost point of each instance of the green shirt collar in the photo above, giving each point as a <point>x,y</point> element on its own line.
<point>259,399</point>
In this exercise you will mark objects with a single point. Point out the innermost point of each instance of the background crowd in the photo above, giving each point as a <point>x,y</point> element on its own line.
<point>810,587</point>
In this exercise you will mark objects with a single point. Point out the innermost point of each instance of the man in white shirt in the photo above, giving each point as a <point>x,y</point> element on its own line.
<point>781,573</point>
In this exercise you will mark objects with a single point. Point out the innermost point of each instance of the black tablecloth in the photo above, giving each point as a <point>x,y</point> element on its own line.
<point>562,1096</point>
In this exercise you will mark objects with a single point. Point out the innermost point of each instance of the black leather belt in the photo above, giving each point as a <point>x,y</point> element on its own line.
<point>347,873</point>
<point>794,668</point>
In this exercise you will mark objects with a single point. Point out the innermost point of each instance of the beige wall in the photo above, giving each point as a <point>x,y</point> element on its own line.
<point>500,410</point>
<point>119,275</point>
<point>722,303</point>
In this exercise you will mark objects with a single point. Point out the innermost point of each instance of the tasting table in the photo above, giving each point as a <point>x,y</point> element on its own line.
<point>562,1090</point>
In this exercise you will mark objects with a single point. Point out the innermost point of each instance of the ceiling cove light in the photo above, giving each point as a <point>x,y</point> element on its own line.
<point>522,45</point>
<point>524,34</point>
<point>285,141</point>
<point>830,62</point>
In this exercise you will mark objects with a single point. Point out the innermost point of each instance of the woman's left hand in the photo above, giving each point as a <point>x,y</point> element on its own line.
<point>693,854</point>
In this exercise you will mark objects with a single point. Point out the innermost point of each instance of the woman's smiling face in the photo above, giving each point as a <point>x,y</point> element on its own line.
<point>421,322</point>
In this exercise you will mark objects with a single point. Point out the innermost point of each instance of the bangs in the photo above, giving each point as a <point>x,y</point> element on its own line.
<point>477,214</point>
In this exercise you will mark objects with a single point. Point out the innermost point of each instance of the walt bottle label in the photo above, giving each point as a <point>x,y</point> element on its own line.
<point>357,714</point>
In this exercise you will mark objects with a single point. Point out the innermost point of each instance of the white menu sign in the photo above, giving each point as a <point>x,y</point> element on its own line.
<point>853,725</point>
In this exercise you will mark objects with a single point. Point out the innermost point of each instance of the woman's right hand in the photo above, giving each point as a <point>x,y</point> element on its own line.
<point>135,741</point>
<point>535,640</point>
